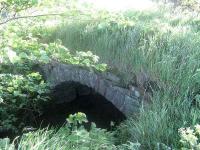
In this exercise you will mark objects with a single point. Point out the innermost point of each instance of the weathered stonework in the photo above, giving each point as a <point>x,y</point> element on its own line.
<point>106,84</point>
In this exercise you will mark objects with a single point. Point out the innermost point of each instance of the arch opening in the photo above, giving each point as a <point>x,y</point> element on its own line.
<point>72,97</point>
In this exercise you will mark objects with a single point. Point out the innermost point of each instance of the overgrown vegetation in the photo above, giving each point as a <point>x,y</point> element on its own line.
<point>162,43</point>
<point>71,136</point>
<point>20,95</point>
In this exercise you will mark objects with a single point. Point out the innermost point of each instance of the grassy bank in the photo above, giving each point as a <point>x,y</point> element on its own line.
<point>164,43</point>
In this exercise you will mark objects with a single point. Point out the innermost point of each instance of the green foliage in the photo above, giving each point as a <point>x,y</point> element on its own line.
<point>86,59</point>
<point>5,144</point>
<point>74,120</point>
<point>163,43</point>
<point>190,138</point>
<point>69,137</point>
<point>18,5</point>
<point>19,93</point>
<point>23,51</point>
<point>23,92</point>
<point>10,9</point>
<point>158,125</point>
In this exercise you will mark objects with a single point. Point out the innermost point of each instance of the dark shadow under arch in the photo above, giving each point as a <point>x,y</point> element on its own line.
<point>71,97</point>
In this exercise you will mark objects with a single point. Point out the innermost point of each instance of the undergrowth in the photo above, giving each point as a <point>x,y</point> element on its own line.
<point>71,136</point>
<point>164,43</point>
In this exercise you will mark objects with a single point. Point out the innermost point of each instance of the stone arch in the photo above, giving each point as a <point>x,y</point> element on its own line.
<point>105,84</point>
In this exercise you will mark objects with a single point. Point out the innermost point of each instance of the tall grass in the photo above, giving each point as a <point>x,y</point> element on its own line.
<point>164,43</point>
<point>66,139</point>
<point>63,139</point>
<point>138,40</point>
<point>159,123</point>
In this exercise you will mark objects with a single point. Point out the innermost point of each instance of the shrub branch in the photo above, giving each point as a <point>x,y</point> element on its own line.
<point>31,16</point>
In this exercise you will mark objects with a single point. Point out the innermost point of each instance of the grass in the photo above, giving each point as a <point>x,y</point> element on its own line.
<point>149,43</point>
<point>63,139</point>
<point>166,45</point>
<point>66,139</point>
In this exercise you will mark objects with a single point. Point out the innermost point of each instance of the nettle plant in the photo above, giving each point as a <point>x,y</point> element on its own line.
<point>28,50</point>
<point>20,97</point>
<point>190,138</point>
<point>88,59</point>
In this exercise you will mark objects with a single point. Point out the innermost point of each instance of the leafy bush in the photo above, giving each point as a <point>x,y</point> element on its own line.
<point>190,137</point>
<point>22,51</point>
<point>20,96</point>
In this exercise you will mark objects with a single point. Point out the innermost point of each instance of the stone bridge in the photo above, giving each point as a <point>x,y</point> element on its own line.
<point>105,84</point>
